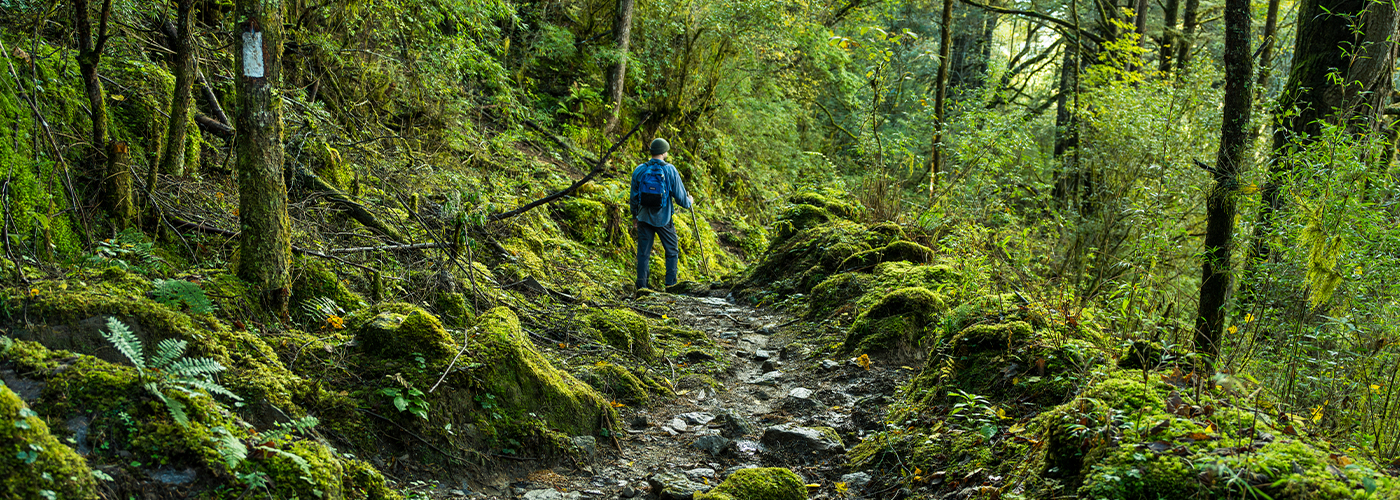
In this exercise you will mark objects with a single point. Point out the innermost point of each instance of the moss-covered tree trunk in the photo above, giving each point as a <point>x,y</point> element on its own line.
<point>1220,202</point>
<point>617,73</point>
<point>116,190</point>
<point>1168,41</point>
<point>940,100</point>
<point>265,246</point>
<point>89,53</point>
<point>172,159</point>
<point>1266,53</point>
<point>1187,41</point>
<point>1341,74</point>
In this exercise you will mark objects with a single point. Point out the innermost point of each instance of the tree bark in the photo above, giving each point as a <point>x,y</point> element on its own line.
<point>1067,129</point>
<point>617,73</point>
<point>116,186</point>
<point>940,102</point>
<point>1266,54</point>
<point>1338,41</point>
<point>1168,43</point>
<point>1140,23</point>
<point>971,43</point>
<point>172,158</point>
<point>265,245</point>
<point>1187,42</point>
<point>1216,276</point>
<point>89,53</point>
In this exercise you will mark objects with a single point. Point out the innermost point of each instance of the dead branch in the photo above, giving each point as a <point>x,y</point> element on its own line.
<point>300,175</point>
<point>597,169</point>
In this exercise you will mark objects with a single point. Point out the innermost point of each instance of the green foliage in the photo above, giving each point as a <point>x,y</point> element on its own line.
<point>168,369</point>
<point>409,400</point>
<point>129,250</point>
<point>181,294</point>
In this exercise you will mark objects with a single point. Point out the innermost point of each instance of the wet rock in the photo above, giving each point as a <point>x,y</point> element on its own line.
<point>802,440</point>
<point>733,425</point>
<point>696,418</point>
<point>640,422</point>
<point>629,492</point>
<point>762,355</point>
<point>800,393</point>
<point>586,444</point>
<point>770,378</point>
<point>801,400</point>
<point>746,447</point>
<point>677,424</point>
<point>856,480</point>
<point>671,486</point>
<point>714,445</point>
<point>771,365</point>
<point>688,287</point>
<point>830,364</point>
<point>173,476</point>
<point>550,494</point>
<point>700,474</point>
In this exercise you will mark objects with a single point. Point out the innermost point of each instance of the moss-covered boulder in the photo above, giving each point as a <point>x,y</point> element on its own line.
<point>825,200</point>
<point>615,382</point>
<point>770,483</point>
<point>620,328</point>
<point>584,220</point>
<point>454,309</point>
<point>396,335</point>
<point>317,292</point>
<point>798,263</point>
<point>906,251</point>
<point>523,384</point>
<point>897,326</point>
<point>33,463</point>
<point>837,291</point>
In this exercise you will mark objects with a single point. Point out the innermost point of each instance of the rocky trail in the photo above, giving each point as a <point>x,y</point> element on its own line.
<point>776,405</point>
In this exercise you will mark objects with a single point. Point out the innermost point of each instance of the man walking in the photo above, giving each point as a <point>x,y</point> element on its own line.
<point>655,184</point>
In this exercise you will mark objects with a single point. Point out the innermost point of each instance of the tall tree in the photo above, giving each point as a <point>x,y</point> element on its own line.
<point>617,73</point>
<point>1187,42</point>
<point>1220,202</point>
<point>1266,53</point>
<point>265,245</point>
<point>940,100</point>
<point>172,158</point>
<point>1168,41</point>
<point>89,54</point>
<point>1341,74</point>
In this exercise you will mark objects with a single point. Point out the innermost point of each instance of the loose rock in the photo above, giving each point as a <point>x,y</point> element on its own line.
<point>802,440</point>
<point>733,425</point>
<point>856,480</point>
<point>671,486</point>
<point>696,418</point>
<point>714,445</point>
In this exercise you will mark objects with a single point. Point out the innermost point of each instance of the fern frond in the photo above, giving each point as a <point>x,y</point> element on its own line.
<point>177,409</point>
<point>208,386</point>
<point>180,293</point>
<point>126,343</point>
<point>231,449</point>
<point>194,367</point>
<point>168,350</point>
<point>295,458</point>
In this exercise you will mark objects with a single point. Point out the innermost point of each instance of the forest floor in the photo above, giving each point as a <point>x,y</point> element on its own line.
<point>778,405</point>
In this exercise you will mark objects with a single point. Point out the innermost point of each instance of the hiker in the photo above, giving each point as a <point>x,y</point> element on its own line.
<point>654,185</point>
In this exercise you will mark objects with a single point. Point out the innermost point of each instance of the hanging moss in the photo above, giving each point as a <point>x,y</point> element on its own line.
<point>33,463</point>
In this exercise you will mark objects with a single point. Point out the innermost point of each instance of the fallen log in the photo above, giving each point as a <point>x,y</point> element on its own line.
<point>598,167</point>
<point>298,175</point>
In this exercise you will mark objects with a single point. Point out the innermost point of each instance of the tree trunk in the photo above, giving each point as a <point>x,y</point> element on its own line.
<point>1266,55</point>
<point>1067,129</point>
<point>1140,23</point>
<point>971,45</point>
<point>1168,43</point>
<point>116,185</point>
<point>1338,41</point>
<point>617,73</point>
<point>940,100</point>
<point>172,159</point>
<point>1187,42</point>
<point>89,53</point>
<point>265,245</point>
<point>1220,202</point>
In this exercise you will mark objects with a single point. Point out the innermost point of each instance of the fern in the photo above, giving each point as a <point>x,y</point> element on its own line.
<point>126,342</point>
<point>168,369</point>
<point>321,308</point>
<point>178,294</point>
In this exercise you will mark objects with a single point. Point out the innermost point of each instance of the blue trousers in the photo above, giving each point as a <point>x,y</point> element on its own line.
<point>646,236</point>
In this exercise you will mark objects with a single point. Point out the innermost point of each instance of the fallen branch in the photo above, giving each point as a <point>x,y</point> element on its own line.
<point>213,126</point>
<point>179,223</point>
<point>300,175</point>
<point>413,246</point>
<point>597,169</point>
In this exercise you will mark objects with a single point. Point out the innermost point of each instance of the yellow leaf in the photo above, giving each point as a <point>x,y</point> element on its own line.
<point>1248,317</point>
<point>864,361</point>
<point>118,97</point>
<point>616,404</point>
<point>663,316</point>
<point>1232,329</point>
<point>1375,388</point>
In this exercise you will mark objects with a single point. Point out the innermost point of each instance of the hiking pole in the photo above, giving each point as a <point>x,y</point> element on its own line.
<point>695,226</point>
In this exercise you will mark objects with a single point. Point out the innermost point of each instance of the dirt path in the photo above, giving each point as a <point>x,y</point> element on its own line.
<point>694,440</point>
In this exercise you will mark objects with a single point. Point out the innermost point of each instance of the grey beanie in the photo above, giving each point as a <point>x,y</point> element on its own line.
<point>659,146</point>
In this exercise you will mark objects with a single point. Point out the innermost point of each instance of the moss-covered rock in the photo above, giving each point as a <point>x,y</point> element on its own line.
<point>796,264</point>
<point>827,201</point>
<point>771,483</point>
<point>616,382</point>
<point>620,328</point>
<point>897,325</point>
<point>394,335</point>
<point>313,473</point>
<point>799,218</point>
<point>522,382</point>
<point>453,309</point>
<point>906,251</point>
<point>837,291</point>
<point>33,463</point>
<point>312,284</point>
<point>585,220</point>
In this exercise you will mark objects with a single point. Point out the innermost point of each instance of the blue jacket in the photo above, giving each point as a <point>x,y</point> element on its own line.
<point>660,216</point>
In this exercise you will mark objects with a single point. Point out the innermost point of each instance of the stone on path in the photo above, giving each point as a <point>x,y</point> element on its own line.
<point>714,445</point>
<point>696,418</point>
<point>733,425</point>
<point>671,486</point>
<point>856,480</point>
<point>802,440</point>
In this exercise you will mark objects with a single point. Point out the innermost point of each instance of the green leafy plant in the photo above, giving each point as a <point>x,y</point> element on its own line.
<point>407,399</point>
<point>129,250</point>
<point>234,451</point>
<point>179,294</point>
<point>167,369</point>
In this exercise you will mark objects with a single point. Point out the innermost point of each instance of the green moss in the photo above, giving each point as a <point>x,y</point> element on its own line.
<point>897,324</point>
<point>799,218</point>
<point>906,251</point>
<point>453,309</point>
<point>826,201</point>
<point>798,263</point>
<point>770,483</point>
<point>394,335</point>
<point>523,382</point>
<point>33,463</point>
<point>585,220</point>
<point>837,291</point>
<point>314,473</point>
<point>999,336</point>
<point>620,328</point>
<point>312,282</point>
<point>362,481</point>
<point>616,382</point>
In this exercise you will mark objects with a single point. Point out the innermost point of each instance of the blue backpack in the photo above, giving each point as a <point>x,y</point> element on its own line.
<point>654,189</point>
